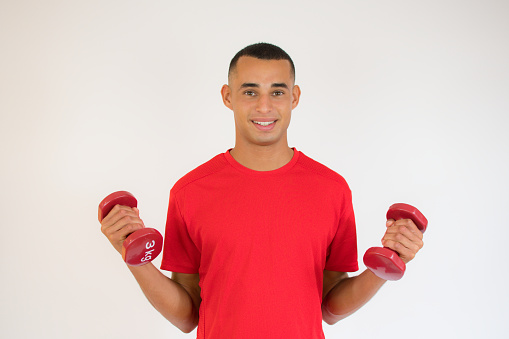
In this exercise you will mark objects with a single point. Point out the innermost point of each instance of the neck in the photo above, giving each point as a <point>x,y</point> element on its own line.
<point>262,158</point>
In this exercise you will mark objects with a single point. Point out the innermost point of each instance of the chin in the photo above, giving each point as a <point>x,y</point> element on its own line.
<point>267,141</point>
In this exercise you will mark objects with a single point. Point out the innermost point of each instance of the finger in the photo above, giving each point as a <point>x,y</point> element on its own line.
<point>117,236</point>
<point>122,233</point>
<point>114,211</point>
<point>403,235</point>
<point>117,213</point>
<point>409,223</point>
<point>119,231</point>
<point>403,241</point>
<point>403,231</point>
<point>407,227</point>
<point>126,224</point>
<point>406,252</point>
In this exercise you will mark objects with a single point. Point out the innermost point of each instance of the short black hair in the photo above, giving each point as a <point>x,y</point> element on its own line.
<point>264,51</point>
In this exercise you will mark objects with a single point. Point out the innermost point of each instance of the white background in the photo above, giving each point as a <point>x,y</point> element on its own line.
<point>408,100</point>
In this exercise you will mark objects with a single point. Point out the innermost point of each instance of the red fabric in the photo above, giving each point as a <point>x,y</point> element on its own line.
<point>260,242</point>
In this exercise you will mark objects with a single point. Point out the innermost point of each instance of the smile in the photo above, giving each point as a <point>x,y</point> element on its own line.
<point>264,123</point>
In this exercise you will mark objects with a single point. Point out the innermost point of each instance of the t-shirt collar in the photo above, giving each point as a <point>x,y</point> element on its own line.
<point>280,170</point>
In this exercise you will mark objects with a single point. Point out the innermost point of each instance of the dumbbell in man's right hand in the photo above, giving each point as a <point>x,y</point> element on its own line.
<point>121,224</point>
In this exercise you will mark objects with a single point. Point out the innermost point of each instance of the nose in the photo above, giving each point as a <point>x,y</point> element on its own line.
<point>264,104</point>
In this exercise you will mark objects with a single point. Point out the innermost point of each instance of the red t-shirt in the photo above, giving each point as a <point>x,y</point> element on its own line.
<point>260,242</point>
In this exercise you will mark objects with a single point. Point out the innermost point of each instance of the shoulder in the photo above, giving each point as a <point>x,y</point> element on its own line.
<point>317,168</point>
<point>211,167</point>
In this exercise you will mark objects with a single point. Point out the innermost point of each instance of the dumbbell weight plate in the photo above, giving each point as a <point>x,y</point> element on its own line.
<point>385,263</point>
<point>404,211</point>
<point>142,246</point>
<point>123,198</point>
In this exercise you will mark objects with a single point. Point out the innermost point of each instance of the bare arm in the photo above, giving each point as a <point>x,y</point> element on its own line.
<point>343,295</point>
<point>177,299</point>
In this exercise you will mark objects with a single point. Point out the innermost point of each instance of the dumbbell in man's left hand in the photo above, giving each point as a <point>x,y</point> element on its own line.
<point>404,237</point>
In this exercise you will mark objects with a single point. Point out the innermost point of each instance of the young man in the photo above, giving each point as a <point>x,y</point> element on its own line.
<point>259,238</point>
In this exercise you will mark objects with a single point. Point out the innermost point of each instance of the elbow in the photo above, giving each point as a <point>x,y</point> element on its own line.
<point>329,317</point>
<point>188,326</point>
<point>187,329</point>
<point>185,323</point>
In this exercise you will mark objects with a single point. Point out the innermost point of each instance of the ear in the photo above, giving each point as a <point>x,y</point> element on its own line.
<point>295,96</point>
<point>227,96</point>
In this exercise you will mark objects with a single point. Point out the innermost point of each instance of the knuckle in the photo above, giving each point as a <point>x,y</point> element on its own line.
<point>121,212</point>
<point>105,229</point>
<point>133,227</point>
<point>395,245</point>
<point>127,219</point>
<point>406,223</point>
<point>109,234</point>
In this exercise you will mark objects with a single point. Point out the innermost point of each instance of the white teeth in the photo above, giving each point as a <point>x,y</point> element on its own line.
<point>264,123</point>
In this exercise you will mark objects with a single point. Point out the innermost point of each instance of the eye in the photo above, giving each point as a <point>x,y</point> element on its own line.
<point>249,93</point>
<point>278,93</point>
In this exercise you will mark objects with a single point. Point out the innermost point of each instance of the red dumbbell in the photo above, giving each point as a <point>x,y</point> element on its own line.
<point>140,247</point>
<point>384,262</point>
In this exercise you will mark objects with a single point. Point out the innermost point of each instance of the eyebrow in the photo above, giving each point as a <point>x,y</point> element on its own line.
<point>274,85</point>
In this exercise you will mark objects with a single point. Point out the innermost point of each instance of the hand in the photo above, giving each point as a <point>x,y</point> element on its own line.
<point>403,237</point>
<point>119,223</point>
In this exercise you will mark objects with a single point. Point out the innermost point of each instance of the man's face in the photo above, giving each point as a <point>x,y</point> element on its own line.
<point>261,94</point>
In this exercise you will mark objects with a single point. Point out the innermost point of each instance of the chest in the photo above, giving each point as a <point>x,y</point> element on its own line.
<point>264,221</point>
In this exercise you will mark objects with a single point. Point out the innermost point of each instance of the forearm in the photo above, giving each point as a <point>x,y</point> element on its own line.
<point>167,296</point>
<point>349,295</point>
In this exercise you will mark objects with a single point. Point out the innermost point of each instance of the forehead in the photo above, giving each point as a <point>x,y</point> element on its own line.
<point>249,69</point>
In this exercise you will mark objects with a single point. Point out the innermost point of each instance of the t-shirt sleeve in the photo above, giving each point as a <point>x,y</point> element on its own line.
<point>342,252</point>
<point>180,253</point>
